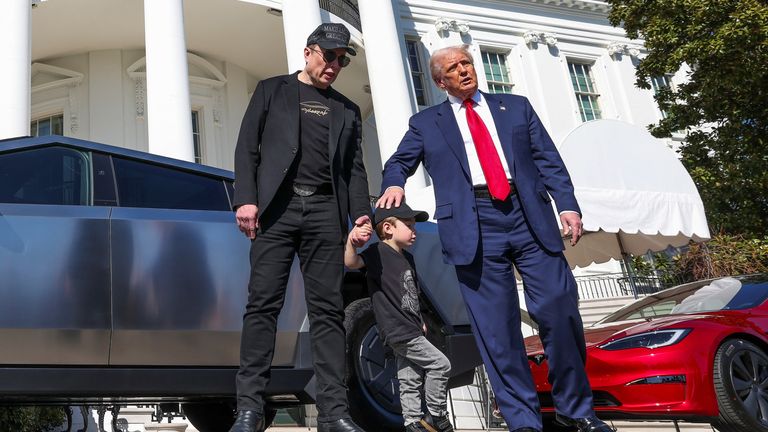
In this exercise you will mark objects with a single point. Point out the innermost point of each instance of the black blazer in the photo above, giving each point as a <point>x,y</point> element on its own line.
<point>269,141</point>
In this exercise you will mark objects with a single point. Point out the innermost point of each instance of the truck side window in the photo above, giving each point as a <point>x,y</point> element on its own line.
<point>141,184</point>
<point>49,175</point>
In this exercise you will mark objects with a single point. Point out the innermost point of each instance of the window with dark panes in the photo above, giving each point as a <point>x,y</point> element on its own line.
<point>141,184</point>
<point>230,190</point>
<point>197,139</point>
<point>50,125</point>
<point>496,72</point>
<point>585,90</point>
<point>51,175</point>
<point>658,83</point>
<point>417,70</point>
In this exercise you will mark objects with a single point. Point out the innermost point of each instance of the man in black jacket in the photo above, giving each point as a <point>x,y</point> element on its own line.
<point>299,177</point>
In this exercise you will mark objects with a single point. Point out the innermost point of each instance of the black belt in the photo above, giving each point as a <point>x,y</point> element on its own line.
<point>483,192</point>
<point>309,190</point>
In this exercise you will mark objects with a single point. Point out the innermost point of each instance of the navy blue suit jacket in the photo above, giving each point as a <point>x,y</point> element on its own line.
<point>539,173</point>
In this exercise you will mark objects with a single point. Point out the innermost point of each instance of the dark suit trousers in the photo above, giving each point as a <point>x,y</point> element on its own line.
<point>488,287</point>
<point>307,226</point>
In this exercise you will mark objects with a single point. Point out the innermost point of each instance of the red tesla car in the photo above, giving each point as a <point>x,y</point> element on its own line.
<point>695,352</point>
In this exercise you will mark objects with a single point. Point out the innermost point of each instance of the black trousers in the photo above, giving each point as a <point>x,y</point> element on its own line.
<point>307,226</point>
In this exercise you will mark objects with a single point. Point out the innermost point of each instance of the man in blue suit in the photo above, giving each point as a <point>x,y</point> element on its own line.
<point>494,169</point>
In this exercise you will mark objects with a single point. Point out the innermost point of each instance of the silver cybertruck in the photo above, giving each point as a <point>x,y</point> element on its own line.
<point>123,280</point>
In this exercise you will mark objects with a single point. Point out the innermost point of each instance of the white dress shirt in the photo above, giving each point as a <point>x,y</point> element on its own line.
<point>481,108</point>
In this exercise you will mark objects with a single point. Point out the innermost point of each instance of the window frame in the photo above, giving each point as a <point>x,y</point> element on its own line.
<point>592,94</point>
<point>36,123</point>
<point>198,143</point>
<point>504,54</point>
<point>86,186</point>
<point>120,196</point>
<point>667,78</point>
<point>424,72</point>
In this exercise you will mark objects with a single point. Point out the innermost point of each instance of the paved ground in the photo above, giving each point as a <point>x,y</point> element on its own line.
<point>305,429</point>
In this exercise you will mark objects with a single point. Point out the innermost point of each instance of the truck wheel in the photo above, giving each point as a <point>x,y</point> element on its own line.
<point>217,416</point>
<point>373,393</point>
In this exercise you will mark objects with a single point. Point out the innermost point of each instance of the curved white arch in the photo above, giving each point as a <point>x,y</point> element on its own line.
<point>138,70</point>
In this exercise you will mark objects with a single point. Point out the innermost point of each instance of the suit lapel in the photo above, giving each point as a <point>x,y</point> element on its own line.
<point>500,113</point>
<point>446,122</point>
<point>291,95</point>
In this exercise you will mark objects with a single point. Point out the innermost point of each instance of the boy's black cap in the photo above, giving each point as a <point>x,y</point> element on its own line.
<point>331,36</point>
<point>402,212</point>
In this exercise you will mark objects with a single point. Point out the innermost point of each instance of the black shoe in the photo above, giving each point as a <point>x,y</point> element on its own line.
<point>526,429</point>
<point>248,421</point>
<point>438,423</point>
<point>340,425</point>
<point>587,424</point>
<point>419,426</point>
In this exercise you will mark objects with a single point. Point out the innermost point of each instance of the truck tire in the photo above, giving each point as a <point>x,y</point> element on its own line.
<point>373,393</point>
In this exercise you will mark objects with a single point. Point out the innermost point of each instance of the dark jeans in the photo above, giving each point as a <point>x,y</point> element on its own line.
<point>307,226</point>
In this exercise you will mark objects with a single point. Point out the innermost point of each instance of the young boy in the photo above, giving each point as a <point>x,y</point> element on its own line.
<point>393,286</point>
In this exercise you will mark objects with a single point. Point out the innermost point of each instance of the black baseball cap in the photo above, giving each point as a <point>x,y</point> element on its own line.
<point>402,212</point>
<point>331,36</point>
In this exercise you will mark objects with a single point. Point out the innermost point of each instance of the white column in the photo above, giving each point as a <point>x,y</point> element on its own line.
<point>387,72</point>
<point>16,60</point>
<point>300,18</point>
<point>169,121</point>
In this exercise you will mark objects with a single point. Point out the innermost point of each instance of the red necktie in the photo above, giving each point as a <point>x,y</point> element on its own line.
<point>498,185</point>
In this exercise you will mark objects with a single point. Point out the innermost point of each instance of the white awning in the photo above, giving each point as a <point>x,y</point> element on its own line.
<point>634,193</point>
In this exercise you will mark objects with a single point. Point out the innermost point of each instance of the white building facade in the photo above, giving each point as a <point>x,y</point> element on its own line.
<point>174,77</point>
<point>133,73</point>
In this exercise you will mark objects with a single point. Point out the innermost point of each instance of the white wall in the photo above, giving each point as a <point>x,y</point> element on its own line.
<point>109,106</point>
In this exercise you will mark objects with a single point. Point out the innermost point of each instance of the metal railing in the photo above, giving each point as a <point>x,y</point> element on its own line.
<point>344,9</point>
<point>618,285</point>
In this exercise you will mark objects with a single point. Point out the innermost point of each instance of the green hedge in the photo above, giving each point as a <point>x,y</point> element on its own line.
<point>31,419</point>
<point>724,255</point>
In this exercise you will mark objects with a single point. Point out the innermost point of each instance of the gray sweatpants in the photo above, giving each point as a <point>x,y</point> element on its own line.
<point>421,369</point>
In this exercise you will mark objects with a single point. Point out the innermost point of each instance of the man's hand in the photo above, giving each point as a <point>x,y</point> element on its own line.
<point>247,216</point>
<point>393,195</point>
<point>572,226</point>
<point>361,233</point>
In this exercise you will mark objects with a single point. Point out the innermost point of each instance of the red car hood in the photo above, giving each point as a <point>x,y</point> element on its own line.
<point>600,333</point>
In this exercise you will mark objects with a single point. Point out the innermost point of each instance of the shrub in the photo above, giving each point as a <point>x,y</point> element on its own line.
<point>31,418</point>
<point>723,255</point>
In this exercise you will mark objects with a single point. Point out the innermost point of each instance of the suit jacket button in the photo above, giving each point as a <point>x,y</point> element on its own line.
<point>285,170</point>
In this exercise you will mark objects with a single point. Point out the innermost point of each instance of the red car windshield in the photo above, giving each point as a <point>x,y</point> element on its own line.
<point>707,296</point>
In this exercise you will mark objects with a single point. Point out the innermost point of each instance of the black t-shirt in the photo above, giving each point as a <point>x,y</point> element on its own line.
<point>394,289</point>
<point>313,166</point>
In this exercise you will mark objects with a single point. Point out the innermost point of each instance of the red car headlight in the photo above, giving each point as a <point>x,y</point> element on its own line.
<point>650,340</point>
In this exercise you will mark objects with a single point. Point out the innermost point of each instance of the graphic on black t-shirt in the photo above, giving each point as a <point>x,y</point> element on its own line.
<point>410,294</point>
<point>315,107</point>
<point>393,284</point>
<point>313,163</point>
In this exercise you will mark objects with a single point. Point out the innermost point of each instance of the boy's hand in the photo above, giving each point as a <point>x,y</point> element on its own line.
<point>361,232</point>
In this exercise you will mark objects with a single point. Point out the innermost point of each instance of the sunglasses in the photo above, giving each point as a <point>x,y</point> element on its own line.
<point>330,56</point>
